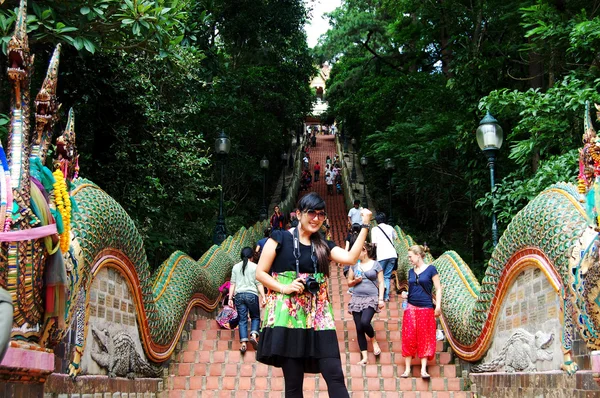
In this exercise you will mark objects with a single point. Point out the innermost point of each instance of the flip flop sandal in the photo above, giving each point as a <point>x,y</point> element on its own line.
<point>377,351</point>
<point>254,342</point>
<point>243,348</point>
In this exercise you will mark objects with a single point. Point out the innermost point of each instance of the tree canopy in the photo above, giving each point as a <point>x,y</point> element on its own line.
<point>154,82</point>
<point>410,81</point>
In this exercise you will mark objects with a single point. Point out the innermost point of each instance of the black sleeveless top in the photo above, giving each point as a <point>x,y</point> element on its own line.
<point>285,260</point>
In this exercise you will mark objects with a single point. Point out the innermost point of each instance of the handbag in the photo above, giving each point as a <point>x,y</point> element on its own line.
<point>391,243</point>
<point>228,318</point>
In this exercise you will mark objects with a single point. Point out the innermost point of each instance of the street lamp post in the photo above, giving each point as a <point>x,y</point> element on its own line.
<point>345,137</point>
<point>489,139</point>
<point>389,166</point>
<point>284,157</point>
<point>222,147</point>
<point>353,173</point>
<point>264,164</point>
<point>363,162</point>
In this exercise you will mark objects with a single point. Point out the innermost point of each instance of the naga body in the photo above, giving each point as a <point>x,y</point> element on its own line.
<point>556,232</point>
<point>59,230</point>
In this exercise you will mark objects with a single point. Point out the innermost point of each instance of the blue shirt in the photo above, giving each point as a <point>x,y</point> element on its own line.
<point>261,243</point>
<point>419,294</point>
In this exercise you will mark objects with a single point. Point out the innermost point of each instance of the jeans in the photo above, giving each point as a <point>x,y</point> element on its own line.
<point>247,303</point>
<point>388,268</point>
<point>331,369</point>
<point>317,172</point>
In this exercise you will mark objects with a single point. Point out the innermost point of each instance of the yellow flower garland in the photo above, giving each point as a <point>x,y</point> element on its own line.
<point>63,205</point>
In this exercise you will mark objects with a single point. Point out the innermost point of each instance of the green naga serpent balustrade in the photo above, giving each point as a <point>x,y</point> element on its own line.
<point>60,230</point>
<point>557,232</point>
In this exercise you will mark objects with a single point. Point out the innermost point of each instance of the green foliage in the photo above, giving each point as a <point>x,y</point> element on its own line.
<point>511,195</point>
<point>153,83</point>
<point>545,122</point>
<point>411,80</point>
<point>148,25</point>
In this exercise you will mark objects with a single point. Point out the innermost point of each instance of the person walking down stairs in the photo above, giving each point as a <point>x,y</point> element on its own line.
<point>367,298</point>
<point>418,325</point>
<point>298,330</point>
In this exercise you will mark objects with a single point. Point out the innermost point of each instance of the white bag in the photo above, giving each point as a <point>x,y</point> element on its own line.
<point>439,335</point>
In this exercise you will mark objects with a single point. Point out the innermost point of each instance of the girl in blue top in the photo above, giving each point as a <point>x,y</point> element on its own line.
<point>418,322</point>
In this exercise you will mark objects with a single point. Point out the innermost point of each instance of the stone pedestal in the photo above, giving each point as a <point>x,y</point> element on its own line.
<point>24,370</point>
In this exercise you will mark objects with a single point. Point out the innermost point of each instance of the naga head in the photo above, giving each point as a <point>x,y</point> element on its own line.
<point>68,158</point>
<point>65,143</point>
<point>46,104</point>
<point>19,58</point>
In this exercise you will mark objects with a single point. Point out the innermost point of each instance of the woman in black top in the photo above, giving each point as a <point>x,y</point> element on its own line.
<point>298,330</point>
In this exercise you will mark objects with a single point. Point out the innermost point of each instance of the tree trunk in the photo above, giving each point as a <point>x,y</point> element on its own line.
<point>536,69</point>
<point>445,42</point>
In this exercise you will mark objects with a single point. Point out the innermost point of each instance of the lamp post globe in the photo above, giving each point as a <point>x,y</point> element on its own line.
<point>353,173</point>
<point>264,164</point>
<point>222,147</point>
<point>284,158</point>
<point>490,137</point>
<point>364,162</point>
<point>389,166</point>
<point>222,144</point>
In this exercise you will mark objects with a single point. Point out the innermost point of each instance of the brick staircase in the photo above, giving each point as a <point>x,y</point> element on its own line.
<point>211,365</point>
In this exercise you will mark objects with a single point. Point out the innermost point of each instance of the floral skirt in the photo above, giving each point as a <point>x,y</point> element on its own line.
<point>299,326</point>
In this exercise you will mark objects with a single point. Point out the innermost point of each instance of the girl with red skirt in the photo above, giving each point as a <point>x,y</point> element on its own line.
<point>418,323</point>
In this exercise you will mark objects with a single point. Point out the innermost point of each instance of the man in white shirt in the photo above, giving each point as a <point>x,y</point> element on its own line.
<point>383,236</point>
<point>329,181</point>
<point>354,216</point>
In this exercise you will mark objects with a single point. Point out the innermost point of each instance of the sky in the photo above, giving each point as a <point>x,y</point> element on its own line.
<point>319,25</point>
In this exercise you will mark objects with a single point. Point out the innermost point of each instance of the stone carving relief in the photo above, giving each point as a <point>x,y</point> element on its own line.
<point>115,352</point>
<point>521,353</point>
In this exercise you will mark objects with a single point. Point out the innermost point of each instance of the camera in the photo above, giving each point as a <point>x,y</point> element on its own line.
<point>311,285</point>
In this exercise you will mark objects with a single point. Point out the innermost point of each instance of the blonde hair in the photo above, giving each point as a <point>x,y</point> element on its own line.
<point>419,250</point>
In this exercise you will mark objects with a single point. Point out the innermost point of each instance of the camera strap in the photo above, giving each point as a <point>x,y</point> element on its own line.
<point>313,255</point>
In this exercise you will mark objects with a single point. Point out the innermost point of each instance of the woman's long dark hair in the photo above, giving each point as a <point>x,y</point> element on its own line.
<point>354,234</point>
<point>312,201</point>
<point>246,254</point>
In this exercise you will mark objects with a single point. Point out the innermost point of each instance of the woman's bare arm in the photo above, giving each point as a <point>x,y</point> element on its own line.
<point>438,294</point>
<point>342,256</point>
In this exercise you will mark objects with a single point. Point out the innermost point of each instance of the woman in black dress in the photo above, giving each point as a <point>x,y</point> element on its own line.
<point>298,330</point>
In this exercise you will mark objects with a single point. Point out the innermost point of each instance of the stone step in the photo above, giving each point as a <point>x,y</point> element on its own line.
<point>247,368</point>
<point>211,365</point>
<point>255,393</point>
<point>312,383</point>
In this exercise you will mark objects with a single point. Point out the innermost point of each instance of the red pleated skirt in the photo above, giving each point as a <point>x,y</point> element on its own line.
<point>418,332</point>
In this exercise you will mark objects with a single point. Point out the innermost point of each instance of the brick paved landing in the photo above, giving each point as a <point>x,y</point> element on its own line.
<point>211,365</point>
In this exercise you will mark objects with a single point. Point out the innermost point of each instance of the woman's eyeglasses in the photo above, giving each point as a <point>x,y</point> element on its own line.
<point>313,213</point>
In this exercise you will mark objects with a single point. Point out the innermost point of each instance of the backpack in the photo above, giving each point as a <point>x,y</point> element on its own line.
<point>228,318</point>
